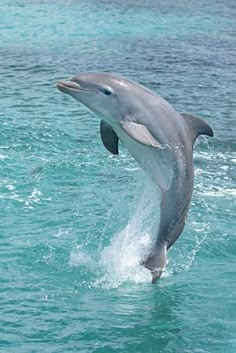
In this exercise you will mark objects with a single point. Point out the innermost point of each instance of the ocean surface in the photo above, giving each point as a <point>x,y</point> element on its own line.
<point>76,221</point>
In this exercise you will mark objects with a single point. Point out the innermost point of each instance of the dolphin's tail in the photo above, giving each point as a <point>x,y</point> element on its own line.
<point>156,261</point>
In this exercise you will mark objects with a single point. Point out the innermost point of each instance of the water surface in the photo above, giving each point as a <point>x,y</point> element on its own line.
<point>75,221</point>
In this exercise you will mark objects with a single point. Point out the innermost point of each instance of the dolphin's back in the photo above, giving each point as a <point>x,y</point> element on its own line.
<point>175,201</point>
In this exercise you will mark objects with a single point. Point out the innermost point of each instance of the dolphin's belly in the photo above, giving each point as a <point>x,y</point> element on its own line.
<point>157,163</point>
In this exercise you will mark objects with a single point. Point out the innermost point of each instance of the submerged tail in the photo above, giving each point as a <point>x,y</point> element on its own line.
<point>156,261</point>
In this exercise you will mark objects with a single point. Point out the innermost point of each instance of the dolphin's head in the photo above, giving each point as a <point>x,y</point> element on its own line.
<point>105,94</point>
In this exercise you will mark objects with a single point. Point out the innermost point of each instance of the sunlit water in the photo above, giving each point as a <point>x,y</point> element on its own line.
<point>75,221</point>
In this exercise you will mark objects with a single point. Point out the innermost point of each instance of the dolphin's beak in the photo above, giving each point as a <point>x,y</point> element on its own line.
<point>68,86</point>
<point>71,87</point>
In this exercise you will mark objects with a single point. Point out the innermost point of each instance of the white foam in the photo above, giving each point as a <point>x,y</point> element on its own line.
<point>10,187</point>
<point>34,197</point>
<point>121,259</point>
<point>62,232</point>
<point>2,156</point>
<point>219,192</point>
<point>79,258</point>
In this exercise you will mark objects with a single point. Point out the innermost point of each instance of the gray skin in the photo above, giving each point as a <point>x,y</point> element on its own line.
<point>159,138</point>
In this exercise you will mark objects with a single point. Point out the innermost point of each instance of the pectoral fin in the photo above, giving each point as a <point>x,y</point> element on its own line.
<point>139,133</point>
<point>109,138</point>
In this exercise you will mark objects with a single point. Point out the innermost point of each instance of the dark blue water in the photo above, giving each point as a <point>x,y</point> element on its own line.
<point>74,219</point>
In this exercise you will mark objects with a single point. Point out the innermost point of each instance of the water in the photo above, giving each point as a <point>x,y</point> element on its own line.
<point>75,221</point>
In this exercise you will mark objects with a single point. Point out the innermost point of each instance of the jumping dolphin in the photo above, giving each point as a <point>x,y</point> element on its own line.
<point>158,137</point>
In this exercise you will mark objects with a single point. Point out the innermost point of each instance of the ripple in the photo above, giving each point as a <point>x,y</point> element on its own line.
<point>74,224</point>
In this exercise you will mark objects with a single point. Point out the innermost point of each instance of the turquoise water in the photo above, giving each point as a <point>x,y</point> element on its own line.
<point>75,221</point>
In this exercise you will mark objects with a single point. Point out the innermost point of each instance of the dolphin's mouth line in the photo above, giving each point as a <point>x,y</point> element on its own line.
<point>72,86</point>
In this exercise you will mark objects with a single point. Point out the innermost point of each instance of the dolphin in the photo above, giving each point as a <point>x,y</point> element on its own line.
<point>156,135</point>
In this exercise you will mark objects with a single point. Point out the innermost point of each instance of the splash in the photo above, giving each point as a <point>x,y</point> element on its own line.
<point>184,256</point>
<point>79,258</point>
<point>121,259</point>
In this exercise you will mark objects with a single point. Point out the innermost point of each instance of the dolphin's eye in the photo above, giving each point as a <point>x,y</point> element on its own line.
<point>106,91</point>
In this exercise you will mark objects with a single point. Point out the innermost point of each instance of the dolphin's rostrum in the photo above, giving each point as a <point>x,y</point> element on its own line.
<point>159,138</point>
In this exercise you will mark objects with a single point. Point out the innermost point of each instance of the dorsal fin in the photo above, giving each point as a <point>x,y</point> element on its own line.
<point>197,126</point>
